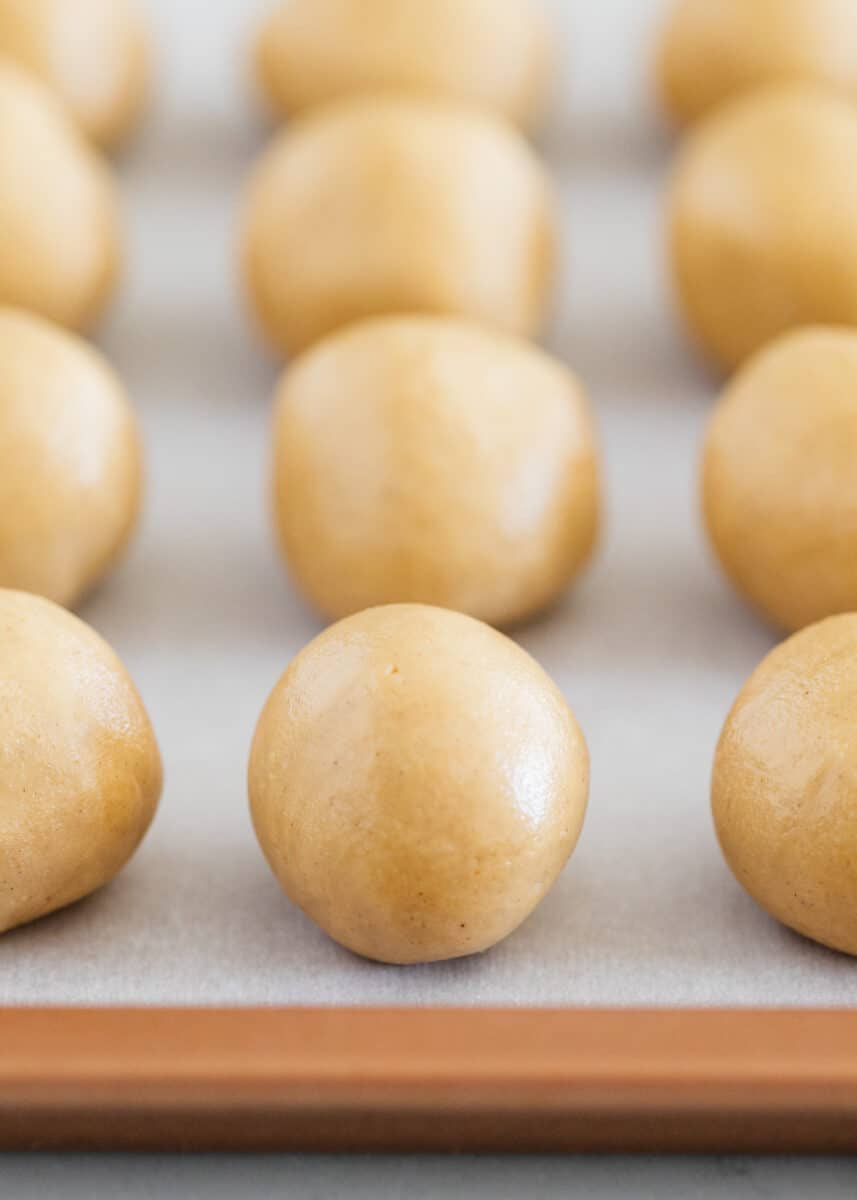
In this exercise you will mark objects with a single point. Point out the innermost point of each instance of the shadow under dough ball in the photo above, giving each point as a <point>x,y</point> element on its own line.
<point>780,478</point>
<point>70,461</point>
<point>379,205</point>
<point>417,783</point>
<point>429,459</point>
<point>763,219</point>
<point>784,790</point>
<point>80,772</point>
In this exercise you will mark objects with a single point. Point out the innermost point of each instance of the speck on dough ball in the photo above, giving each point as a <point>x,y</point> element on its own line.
<point>59,237</point>
<point>428,459</point>
<point>93,54</point>
<point>494,53</point>
<point>377,205</point>
<point>779,478</point>
<point>785,784</point>
<point>763,215</point>
<point>70,461</point>
<point>417,783</point>
<point>714,50</point>
<point>80,772</point>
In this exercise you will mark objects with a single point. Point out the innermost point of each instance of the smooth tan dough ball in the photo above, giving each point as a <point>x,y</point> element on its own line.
<point>784,792</point>
<point>417,783</point>
<point>779,478</point>
<point>59,236</point>
<point>714,50</point>
<point>94,54</point>
<point>70,461</point>
<point>378,205</point>
<point>80,772</point>
<point>763,215</point>
<point>494,53</point>
<point>431,460</point>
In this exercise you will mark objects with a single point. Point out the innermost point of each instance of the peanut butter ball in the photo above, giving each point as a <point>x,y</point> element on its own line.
<point>427,459</point>
<point>417,783</point>
<point>80,772</point>
<point>70,461</point>
<point>763,216</point>
<point>375,205</point>
<point>494,53</point>
<point>59,238</point>
<point>784,792</point>
<point>779,478</point>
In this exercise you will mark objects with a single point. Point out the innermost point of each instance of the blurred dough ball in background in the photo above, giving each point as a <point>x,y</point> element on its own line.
<point>714,50</point>
<point>494,53</point>
<point>94,54</point>
<point>381,205</point>
<point>59,235</point>
<point>780,478</point>
<point>431,460</point>
<point>763,219</point>
<point>70,461</point>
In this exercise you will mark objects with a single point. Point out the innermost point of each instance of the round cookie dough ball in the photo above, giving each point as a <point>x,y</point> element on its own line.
<point>93,54</point>
<point>417,783</point>
<point>80,773</point>
<point>784,792</point>
<point>714,50</point>
<point>59,238</point>
<point>779,478</point>
<point>764,220</point>
<point>378,205</point>
<point>428,459</point>
<point>494,53</point>
<point>70,461</point>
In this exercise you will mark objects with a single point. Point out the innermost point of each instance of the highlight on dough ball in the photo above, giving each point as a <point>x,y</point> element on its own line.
<point>429,459</point>
<point>763,216</point>
<point>494,53</point>
<point>70,461</point>
<point>93,54</point>
<point>784,791</point>
<point>80,771</point>
<point>417,783</point>
<point>59,235</point>
<point>376,205</point>
<point>779,479</point>
<point>714,50</point>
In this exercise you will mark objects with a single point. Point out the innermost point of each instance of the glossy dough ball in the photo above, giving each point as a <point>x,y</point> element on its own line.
<point>785,784</point>
<point>714,50</point>
<point>417,783</point>
<point>69,461</point>
<point>377,206</point>
<point>779,478</point>
<point>430,460</point>
<point>80,773</point>
<point>59,238</point>
<point>494,53</point>
<point>764,220</point>
<point>93,54</point>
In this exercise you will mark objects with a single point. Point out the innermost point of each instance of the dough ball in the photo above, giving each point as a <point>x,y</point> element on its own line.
<point>59,237</point>
<point>80,773</point>
<point>494,53</point>
<point>428,459</point>
<point>375,205</point>
<point>779,478</point>
<point>70,461</point>
<point>417,783</point>
<point>93,54</point>
<point>785,784</point>
<point>764,220</point>
<point>714,50</point>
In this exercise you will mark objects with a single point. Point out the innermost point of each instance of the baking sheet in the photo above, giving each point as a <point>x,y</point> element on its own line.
<point>650,649</point>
